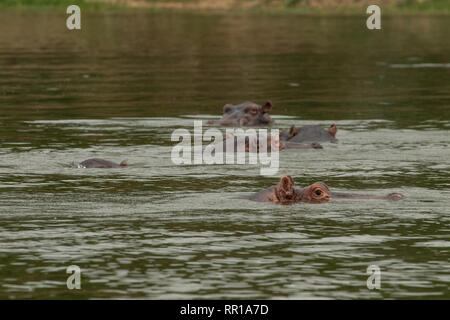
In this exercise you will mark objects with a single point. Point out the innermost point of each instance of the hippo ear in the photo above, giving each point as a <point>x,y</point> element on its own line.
<point>286,183</point>
<point>292,131</point>
<point>124,163</point>
<point>332,130</point>
<point>267,107</point>
<point>227,108</point>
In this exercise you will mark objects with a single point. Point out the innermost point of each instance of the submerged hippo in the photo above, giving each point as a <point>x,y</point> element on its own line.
<point>251,143</point>
<point>286,192</point>
<point>100,163</point>
<point>310,133</point>
<point>245,114</point>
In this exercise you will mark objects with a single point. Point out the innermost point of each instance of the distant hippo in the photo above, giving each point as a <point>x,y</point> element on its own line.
<point>100,163</point>
<point>285,192</point>
<point>247,144</point>
<point>253,144</point>
<point>245,114</point>
<point>310,133</point>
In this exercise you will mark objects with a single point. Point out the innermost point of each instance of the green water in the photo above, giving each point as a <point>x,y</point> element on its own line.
<point>119,87</point>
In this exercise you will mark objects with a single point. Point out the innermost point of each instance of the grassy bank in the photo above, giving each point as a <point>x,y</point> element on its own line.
<point>280,6</point>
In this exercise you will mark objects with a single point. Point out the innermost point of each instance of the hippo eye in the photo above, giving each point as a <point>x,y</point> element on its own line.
<point>318,192</point>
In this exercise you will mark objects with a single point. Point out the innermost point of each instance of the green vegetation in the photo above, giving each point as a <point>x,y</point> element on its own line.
<point>286,6</point>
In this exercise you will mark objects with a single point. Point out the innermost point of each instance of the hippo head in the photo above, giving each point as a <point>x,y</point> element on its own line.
<point>248,114</point>
<point>316,193</point>
<point>285,191</point>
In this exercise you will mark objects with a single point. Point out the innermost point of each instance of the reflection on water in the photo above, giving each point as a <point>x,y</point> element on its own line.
<point>120,87</point>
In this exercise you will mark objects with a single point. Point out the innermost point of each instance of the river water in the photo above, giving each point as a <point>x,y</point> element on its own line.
<point>119,87</point>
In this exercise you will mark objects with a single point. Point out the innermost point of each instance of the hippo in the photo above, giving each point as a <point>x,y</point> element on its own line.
<point>100,163</point>
<point>247,143</point>
<point>311,133</point>
<point>245,114</point>
<point>252,144</point>
<point>285,192</point>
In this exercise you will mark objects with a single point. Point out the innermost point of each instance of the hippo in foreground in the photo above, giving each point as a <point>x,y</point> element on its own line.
<point>286,192</point>
<point>100,163</point>
<point>245,114</point>
<point>311,133</point>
